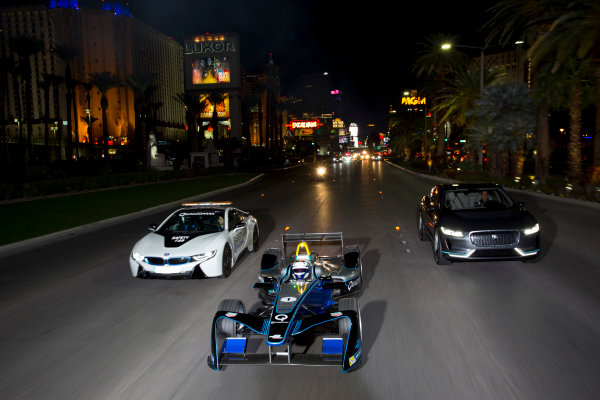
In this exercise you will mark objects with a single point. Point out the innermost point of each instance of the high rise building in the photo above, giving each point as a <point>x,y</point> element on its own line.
<point>106,39</point>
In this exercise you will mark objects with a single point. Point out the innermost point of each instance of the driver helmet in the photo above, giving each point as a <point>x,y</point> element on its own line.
<point>300,270</point>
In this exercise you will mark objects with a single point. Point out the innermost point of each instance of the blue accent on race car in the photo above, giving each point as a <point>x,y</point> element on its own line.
<point>234,345</point>
<point>332,346</point>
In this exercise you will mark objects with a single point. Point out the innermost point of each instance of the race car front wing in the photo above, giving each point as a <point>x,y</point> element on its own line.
<point>345,351</point>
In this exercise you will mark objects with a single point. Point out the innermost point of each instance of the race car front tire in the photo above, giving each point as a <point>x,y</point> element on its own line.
<point>225,325</point>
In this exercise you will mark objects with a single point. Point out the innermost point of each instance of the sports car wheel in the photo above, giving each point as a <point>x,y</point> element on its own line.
<point>226,326</point>
<point>255,241</point>
<point>227,262</point>
<point>420,228</point>
<point>437,251</point>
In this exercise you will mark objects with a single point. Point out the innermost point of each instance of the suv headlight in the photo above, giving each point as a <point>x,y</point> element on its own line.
<point>204,256</point>
<point>451,232</point>
<point>137,256</point>
<point>532,230</point>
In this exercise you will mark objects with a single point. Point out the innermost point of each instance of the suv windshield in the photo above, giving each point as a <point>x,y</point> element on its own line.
<point>195,221</point>
<point>483,198</point>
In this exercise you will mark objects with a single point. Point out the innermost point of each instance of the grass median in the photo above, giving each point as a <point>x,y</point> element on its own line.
<point>27,219</point>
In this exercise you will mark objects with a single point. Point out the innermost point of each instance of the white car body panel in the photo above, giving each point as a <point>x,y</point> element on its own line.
<point>162,260</point>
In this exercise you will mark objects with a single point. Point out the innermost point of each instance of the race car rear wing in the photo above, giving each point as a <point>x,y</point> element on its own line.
<point>324,238</point>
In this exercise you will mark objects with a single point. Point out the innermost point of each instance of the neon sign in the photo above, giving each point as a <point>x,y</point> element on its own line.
<point>413,101</point>
<point>300,124</point>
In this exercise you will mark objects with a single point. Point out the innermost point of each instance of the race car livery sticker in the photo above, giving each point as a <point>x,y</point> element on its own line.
<point>231,314</point>
<point>353,283</point>
<point>336,314</point>
<point>354,358</point>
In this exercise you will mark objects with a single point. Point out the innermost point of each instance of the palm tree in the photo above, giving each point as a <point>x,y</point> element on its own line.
<point>67,54</point>
<point>50,81</point>
<point>24,47</point>
<point>143,86</point>
<point>104,81</point>
<point>575,32</point>
<point>504,118</point>
<point>529,20</point>
<point>458,97</point>
<point>435,64</point>
<point>5,66</point>
<point>88,87</point>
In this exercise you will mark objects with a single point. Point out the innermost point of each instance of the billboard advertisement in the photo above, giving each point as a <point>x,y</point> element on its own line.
<point>212,61</point>
<point>222,109</point>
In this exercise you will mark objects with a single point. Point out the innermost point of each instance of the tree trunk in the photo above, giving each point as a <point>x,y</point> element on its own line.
<point>574,168</point>
<point>104,106</point>
<point>597,124</point>
<point>542,145</point>
<point>519,161</point>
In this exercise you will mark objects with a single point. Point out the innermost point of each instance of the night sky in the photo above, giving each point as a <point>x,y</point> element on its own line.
<point>368,49</point>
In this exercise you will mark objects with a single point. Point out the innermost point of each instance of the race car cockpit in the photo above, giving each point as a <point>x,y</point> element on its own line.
<point>302,267</point>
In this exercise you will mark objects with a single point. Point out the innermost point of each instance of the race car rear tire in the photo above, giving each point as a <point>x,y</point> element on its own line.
<point>226,326</point>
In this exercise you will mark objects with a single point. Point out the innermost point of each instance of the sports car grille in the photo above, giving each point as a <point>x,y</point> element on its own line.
<point>494,253</point>
<point>494,238</point>
<point>167,261</point>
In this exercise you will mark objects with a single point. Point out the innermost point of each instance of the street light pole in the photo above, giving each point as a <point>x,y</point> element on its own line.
<point>448,46</point>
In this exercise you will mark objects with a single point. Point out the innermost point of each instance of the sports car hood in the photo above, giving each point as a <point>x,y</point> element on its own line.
<point>178,244</point>
<point>471,220</point>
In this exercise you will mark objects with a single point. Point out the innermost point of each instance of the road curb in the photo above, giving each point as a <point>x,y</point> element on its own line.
<point>574,202</point>
<point>78,230</point>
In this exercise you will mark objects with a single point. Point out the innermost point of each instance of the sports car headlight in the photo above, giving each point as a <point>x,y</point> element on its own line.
<point>451,232</point>
<point>532,230</point>
<point>204,256</point>
<point>137,256</point>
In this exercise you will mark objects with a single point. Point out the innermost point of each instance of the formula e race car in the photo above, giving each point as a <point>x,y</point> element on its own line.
<point>307,314</point>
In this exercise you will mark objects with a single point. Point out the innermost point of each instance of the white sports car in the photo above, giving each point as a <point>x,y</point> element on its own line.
<point>198,240</point>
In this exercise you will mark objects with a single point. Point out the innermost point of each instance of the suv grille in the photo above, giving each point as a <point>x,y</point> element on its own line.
<point>494,238</point>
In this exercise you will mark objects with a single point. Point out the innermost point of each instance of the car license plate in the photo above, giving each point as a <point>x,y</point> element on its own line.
<point>167,270</point>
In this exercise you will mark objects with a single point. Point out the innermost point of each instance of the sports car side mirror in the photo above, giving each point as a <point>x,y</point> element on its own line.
<point>152,227</point>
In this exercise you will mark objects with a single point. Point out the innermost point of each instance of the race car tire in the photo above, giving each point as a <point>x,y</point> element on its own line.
<point>227,261</point>
<point>141,273</point>
<point>255,240</point>
<point>226,326</point>
<point>344,324</point>
<point>421,231</point>
<point>437,251</point>
<point>347,304</point>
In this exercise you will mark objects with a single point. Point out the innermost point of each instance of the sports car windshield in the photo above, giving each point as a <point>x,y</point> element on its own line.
<point>195,221</point>
<point>479,199</point>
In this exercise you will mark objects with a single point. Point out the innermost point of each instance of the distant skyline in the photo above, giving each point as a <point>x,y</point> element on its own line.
<point>368,50</point>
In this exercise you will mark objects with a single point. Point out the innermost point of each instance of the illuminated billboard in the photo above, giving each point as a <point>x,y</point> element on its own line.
<point>304,127</point>
<point>212,61</point>
<point>222,109</point>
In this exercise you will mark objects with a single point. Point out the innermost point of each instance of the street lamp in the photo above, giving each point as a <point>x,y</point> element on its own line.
<point>448,46</point>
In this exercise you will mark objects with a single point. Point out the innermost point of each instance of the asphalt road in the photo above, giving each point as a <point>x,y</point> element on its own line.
<point>75,325</point>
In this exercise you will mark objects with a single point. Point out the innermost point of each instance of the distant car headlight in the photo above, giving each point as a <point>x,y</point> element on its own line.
<point>532,230</point>
<point>321,171</point>
<point>204,256</point>
<point>137,256</point>
<point>451,232</point>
